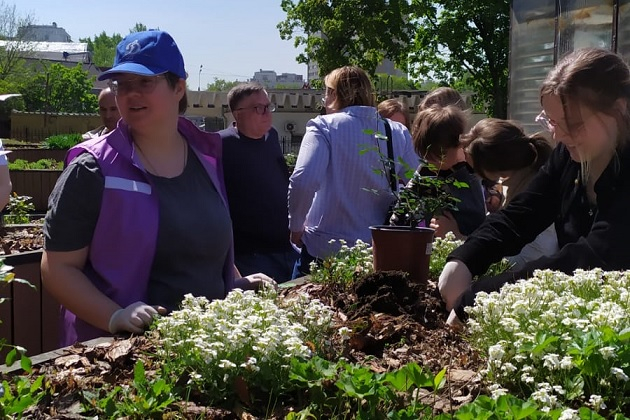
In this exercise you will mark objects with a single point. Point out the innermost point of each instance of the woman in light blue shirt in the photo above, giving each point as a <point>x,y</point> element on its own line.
<point>340,185</point>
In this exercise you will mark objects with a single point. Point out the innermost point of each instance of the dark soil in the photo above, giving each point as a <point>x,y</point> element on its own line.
<point>392,321</point>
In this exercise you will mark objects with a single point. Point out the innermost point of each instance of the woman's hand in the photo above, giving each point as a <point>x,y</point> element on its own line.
<point>255,282</point>
<point>444,224</point>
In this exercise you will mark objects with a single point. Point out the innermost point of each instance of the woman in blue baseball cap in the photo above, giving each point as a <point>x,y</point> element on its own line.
<point>139,217</point>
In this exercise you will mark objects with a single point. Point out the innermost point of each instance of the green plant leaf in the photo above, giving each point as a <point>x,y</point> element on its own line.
<point>438,381</point>
<point>26,363</point>
<point>11,357</point>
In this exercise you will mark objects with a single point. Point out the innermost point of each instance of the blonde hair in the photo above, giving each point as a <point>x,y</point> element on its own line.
<point>352,86</point>
<point>443,96</point>
<point>389,107</point>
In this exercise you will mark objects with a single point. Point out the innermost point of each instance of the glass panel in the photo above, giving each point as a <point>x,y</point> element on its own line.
<point>531,57</point>
<point>623,30</point>
<point>584,23</point>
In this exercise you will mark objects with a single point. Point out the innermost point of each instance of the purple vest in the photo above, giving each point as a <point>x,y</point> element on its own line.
<point>123,246</point>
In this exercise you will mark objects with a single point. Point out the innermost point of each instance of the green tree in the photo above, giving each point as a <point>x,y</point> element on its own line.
<point>61,89</point>
<point>221,85</point>
<point>16,49</point>
<point>460,43</point>
<point>335,33</point>
<point>465,44</point>
<point>386,83</point>
<point>103,46</point>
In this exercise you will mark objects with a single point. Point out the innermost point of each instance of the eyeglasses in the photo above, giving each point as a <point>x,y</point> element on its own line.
<point>145,85</point>
<point>546,122</point>
<point>260,109</point>
<point>551,126</point>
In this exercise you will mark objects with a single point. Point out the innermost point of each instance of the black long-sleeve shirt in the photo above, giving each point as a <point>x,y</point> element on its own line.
<point>589,236</point>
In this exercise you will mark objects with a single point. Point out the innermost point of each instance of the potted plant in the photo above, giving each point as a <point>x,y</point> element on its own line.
<point>406,243</point>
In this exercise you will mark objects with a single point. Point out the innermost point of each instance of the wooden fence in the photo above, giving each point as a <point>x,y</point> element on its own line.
<point>30,316</point>
<point>36,183</point>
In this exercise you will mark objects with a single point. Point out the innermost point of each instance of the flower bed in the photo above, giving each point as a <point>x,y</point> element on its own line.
<point>364,345</point>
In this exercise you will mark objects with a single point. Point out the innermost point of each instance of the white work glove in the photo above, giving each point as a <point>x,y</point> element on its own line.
<point>454,280</point>
<point>134,318</point>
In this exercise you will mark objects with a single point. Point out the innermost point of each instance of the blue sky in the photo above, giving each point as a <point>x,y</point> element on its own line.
<point>231,39</point>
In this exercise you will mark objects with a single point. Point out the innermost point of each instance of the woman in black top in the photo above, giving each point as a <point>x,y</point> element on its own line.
<point>584,188</point>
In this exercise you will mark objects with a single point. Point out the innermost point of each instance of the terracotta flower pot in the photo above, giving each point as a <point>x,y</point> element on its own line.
<point>403,248</point>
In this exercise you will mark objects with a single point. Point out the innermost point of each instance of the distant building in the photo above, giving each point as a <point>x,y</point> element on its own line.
<point>271,80</point>
<point>43,33</point>
<point>386,67</point>
<point>39,44</point>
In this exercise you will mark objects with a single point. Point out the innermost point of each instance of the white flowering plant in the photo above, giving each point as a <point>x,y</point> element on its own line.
<point>442,248</point>
<point>558,340</point>
<point>344,267</point>
<point>241,346</point>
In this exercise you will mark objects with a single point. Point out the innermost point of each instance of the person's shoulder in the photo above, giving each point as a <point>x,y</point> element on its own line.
<point>228,133</point>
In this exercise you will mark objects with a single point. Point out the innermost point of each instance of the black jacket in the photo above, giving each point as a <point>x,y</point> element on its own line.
<point>588,236</point>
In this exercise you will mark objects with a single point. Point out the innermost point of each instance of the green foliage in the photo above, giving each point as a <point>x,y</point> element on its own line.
<point>19,206</point>
<point>558,339</point>
<point>240,347</point>
<point>509,407</point>
<point>15,102</point>
<point>340,270</point>
<point>22,165</point>
<point>147,398</point>
<point>344,390</point>
<point>63,141</point>
<point>457,43</point>
<point>464,44</point>
<point>425,197</point>
<point>290,159</point>
<point>103,46</point>
<point>355,32</point>
<point>221,85</point>
<point>61,89</point>
<point>19,394</point>
<point>386,83</point>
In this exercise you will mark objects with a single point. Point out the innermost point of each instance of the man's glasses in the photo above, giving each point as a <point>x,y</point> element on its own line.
<point>260,109</point>
<point>144,85</point>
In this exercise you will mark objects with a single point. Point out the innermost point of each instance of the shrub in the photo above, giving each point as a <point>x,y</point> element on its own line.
<point>559,339</point>
<point>21,164</point>
<point>62,141</point>
<point>243,341</point>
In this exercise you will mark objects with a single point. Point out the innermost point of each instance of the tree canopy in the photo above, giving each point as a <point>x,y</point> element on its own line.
<point>103,46</point>
<point>340,32</point>
<point>221,85</point>
<point>60,89</point>
<point>459,43</point>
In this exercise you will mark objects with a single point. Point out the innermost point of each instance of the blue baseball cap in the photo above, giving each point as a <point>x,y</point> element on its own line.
<point>147,53</point>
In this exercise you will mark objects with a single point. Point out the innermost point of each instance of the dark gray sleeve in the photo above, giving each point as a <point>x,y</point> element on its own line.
<point>74,205</point>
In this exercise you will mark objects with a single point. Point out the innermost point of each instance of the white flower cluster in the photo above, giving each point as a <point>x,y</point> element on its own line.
<point>555,335</point>
<point>243,335</point>
<point>342,267</point>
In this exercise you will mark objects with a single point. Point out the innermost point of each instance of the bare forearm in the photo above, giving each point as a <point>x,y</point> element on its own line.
<point>77,293</point>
